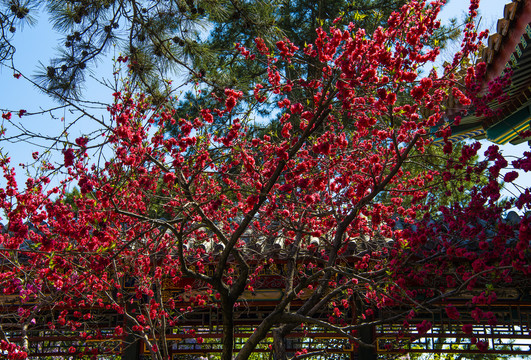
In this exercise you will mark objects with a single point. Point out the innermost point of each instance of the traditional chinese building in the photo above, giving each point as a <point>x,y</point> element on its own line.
<point>508,53</point>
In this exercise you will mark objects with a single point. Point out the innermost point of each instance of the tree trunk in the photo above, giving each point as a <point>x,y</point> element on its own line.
<point>367,336</point>
<point>279,345</point>
<point>228,330</point>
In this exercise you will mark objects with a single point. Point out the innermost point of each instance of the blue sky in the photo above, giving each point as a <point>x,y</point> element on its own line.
<point>36,45</point>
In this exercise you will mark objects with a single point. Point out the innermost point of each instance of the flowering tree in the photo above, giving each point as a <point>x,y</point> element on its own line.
<point>220,206</point>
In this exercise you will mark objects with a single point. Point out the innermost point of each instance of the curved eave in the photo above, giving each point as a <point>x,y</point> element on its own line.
<point>508,49</point>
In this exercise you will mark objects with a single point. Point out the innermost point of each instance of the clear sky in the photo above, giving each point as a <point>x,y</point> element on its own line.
<point>38,44</point>
<point>35,46</point>
<point>489,10</point>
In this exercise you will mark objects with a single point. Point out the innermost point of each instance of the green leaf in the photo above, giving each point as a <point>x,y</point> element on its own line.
<point>358,16</point>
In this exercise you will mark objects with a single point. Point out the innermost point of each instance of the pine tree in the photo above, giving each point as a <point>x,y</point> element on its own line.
<point>293,19</point>
<point>191,37</point>
<point>158,37</point>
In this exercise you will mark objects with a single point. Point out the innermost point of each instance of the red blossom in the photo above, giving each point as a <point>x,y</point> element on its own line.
<point>261,46</point>
<point>510,176</point>
<point>69,157</point>
<point>467,328</point>
<point>216,213</point>
<point>287,49</point>
<point>482,345</point>
<point>232,98</point>
<point>169,178</point>
<point>423,327</point>
<point>452,312</point>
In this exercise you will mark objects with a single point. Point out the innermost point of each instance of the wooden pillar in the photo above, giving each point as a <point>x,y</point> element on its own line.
<point>367,336</point>
<point>132,348</point>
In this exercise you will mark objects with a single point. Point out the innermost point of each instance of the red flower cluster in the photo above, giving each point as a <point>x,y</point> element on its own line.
<point>232,98</point>
<point>331,189</point>
<point>287,49</point>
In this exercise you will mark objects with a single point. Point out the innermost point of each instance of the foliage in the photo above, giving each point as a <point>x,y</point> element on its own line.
<point>295,20</point>
<point>337,216</point>
<point>161,38</point>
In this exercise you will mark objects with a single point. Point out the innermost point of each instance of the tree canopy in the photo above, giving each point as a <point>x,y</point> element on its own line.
<point>331,202</point>
<point>194,38</point>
